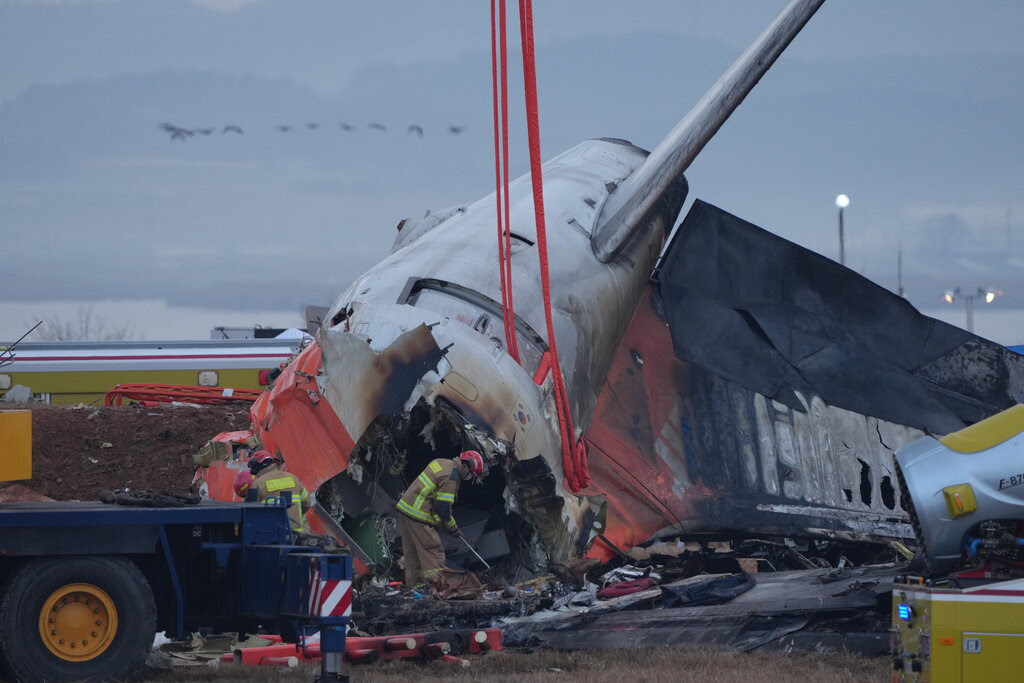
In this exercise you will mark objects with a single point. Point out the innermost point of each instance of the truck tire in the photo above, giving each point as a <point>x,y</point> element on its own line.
<point>88,618</point>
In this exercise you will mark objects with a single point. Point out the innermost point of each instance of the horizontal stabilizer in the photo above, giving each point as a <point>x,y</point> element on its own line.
<point>776,318</point>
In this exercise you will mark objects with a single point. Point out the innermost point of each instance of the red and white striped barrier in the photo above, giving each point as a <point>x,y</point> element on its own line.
<point>329,597</point>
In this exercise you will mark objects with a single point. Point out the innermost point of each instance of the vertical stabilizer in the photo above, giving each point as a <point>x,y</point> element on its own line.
<point>631,203</point>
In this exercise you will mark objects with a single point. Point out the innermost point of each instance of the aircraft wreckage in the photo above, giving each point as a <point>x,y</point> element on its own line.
<point>739,386</point>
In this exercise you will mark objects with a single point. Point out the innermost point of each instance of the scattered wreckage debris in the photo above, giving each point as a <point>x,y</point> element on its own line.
<point>201,649</point>
<point>809,610</point>
<point>831,609</point>
<point>379,611</point>
<point>738,595</point>
<point>269,650</point>
<point>445,645</point>
<point>673,593</point>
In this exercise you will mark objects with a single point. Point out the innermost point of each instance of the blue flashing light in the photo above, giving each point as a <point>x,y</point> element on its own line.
<point>904,612</point>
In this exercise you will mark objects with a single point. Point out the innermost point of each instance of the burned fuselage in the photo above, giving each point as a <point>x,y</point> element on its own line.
<point>410,364</point>
<point>411,357</point>
<point>444,275</point>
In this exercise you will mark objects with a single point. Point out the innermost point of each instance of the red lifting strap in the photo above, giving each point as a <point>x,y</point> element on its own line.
<point>501,176</point>
<point>574,461</point>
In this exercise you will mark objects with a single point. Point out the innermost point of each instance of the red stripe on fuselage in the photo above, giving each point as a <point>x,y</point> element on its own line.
<point>188,357</point>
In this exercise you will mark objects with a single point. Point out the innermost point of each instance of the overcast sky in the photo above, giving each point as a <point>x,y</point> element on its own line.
<point>913,108</point>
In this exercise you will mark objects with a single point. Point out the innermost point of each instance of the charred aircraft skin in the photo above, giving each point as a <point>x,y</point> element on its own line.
<point>682,451</point>
<point>768,395</point>
<point>442,273</point>
<point>436,287</point>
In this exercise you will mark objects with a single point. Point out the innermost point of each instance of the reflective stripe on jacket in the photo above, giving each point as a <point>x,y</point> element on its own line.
<point>434,485</point>
<point>270,486</point>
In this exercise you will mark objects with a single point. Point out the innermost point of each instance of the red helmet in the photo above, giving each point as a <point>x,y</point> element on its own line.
<point>261,460</point>
<point>243,481</point>
<point>474,461</point>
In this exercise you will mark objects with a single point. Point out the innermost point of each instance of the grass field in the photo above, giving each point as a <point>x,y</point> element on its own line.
<point>654,665</point>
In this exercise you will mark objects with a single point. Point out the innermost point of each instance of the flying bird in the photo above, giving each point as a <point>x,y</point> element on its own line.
<point>455,130</point>
<point>232,128</point>
<point>204,131</point>
<point>378,126</point>
<point>345,126</point>
<point>312,126</point>
<point>416,129</point>
<point>176,132</point>
<point>283,128</point>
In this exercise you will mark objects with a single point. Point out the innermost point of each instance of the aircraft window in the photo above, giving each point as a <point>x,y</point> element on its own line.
<point>477,311</point>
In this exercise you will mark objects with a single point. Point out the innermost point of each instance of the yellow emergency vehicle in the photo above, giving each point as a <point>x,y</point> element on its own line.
<point>951,635</point>
<point>964,494</point>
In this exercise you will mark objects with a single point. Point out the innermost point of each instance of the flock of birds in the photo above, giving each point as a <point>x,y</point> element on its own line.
<point>183,134</point>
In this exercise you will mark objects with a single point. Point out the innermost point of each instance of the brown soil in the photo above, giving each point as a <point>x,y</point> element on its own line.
<point>79,451</point>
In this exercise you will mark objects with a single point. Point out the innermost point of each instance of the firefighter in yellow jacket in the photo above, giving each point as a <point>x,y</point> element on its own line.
<point>426,506</point>
<point>270,482</point>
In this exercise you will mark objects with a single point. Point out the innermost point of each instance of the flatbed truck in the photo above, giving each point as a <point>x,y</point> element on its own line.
<point>85,586</point>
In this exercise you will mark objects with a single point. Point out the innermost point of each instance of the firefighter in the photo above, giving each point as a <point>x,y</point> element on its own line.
<point>270,482</point>
<point>426,506</point>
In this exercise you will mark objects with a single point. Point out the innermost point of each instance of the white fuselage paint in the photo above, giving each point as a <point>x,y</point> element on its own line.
<point>592,302</point>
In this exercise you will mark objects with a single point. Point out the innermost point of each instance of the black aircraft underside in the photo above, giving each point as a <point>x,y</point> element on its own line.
<point>776,318</point>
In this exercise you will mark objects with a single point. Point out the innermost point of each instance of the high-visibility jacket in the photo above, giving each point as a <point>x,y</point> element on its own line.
<point>270,486</point>
<point>432,494</point>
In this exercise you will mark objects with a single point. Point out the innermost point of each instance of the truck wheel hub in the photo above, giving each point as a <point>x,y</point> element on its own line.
<point>78,622</point>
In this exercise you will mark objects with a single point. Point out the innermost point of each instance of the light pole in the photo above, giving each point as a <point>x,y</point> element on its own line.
<point>986,295</point>
<point>842,201</point>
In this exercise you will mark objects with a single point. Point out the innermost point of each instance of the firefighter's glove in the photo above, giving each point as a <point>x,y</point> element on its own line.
<point>455,531</point>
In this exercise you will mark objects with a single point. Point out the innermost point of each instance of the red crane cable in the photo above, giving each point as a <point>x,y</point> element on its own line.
<point>501,176</point>
<point>498,201</point>
<point>511,313</point>
<point>574,461</point>
<point>505,154</point>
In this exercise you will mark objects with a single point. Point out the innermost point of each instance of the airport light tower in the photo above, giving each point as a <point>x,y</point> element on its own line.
<point>842,201</point>
<point>986,295</point>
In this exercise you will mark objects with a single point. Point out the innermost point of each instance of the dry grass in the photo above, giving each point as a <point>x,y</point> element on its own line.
<point>654,665</point>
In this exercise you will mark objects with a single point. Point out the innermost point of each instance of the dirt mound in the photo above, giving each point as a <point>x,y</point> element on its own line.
<point>17,493</point>
<point>79,451</point>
